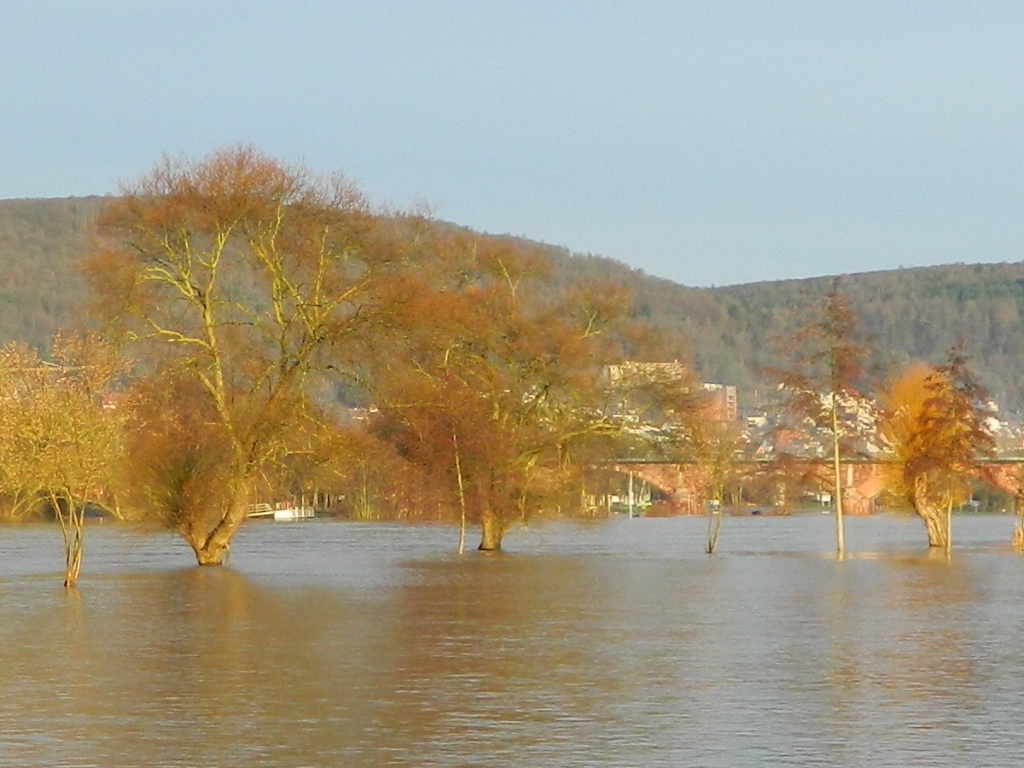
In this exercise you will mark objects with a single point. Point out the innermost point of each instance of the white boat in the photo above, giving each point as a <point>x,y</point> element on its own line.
<point>285,511</point>
<point>297,512</point>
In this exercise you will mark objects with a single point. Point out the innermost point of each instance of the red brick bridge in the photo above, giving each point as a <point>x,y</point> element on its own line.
<point>687,485</point>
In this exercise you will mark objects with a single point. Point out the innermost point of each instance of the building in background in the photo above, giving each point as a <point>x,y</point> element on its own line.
<point>723,405</point>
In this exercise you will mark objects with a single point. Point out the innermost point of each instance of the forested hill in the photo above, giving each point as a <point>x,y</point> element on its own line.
<point>907,314</point>
<point>910,314</point>
<point>40,286</point>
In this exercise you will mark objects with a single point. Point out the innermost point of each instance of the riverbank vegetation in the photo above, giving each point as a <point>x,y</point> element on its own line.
<point>286,338</point>
<point>263,333</point>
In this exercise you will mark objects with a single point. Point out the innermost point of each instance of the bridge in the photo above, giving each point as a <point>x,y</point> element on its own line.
<point>687,485</point>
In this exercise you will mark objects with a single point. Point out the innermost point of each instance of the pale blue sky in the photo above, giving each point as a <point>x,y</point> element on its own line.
<point>711,142</point>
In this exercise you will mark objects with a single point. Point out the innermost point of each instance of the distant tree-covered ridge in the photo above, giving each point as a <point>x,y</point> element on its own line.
<point>909,314</point>
<point>41,288</point>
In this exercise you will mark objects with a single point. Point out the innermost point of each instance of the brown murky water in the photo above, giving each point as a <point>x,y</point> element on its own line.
<point>619,644</point>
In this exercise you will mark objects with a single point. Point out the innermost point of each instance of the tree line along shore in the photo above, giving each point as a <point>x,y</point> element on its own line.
<point>255,331</point>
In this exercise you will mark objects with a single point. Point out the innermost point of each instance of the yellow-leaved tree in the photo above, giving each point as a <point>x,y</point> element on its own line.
<point>60,436</point>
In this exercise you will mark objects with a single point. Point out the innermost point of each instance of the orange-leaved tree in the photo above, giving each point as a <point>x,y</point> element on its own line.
<point>825,382</point>
<point>934,425</point>
<point>230,276</point>
<point>493,389</point>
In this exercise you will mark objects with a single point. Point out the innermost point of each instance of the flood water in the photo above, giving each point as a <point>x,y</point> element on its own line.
<point>612,644</point>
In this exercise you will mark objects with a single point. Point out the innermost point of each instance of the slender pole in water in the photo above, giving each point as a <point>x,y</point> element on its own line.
<point>1018,504</point>
<point>462,494</point>
<point>840,542</point>
<point>949,526</point>
<point>714,525</point>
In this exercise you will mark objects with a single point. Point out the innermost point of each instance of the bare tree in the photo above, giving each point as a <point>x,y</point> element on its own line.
<point>824,385</point>
<point>713,444</point>
<point>230,276</point>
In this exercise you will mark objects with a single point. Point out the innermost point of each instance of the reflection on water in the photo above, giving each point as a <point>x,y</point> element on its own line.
<point>618,644</point>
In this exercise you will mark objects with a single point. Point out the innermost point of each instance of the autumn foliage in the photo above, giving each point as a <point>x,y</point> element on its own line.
<point>934,425</point>
<point>263,303</point>
<point>59,438</point>
<point>491,392</point>
<point>228,278</point>
<point>825,383</point>
<point>288,339</point>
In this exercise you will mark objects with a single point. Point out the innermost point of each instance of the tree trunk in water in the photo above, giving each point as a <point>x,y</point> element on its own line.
<point>837,469</point>
<point>936,522</point>
<point>214,548</point>
<point>73,547</point>
<point>462,494</point>
<point>211,553</point>
<point>491,532</point>
<point>949,526</point>
<point>714,528</point>
<point>72,528</point>
<point>1017,540</point>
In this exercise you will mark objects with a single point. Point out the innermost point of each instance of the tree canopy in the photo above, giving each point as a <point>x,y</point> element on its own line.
<point>935,428</point>
<point>231,275</point>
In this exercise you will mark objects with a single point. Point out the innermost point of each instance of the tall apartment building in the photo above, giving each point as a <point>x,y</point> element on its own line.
<point>723,405</point>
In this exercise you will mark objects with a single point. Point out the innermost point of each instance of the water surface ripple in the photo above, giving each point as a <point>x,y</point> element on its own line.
<point>612,644</point>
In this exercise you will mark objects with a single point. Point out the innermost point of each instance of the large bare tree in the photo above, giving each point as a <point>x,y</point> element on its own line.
<point>229,276</point>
